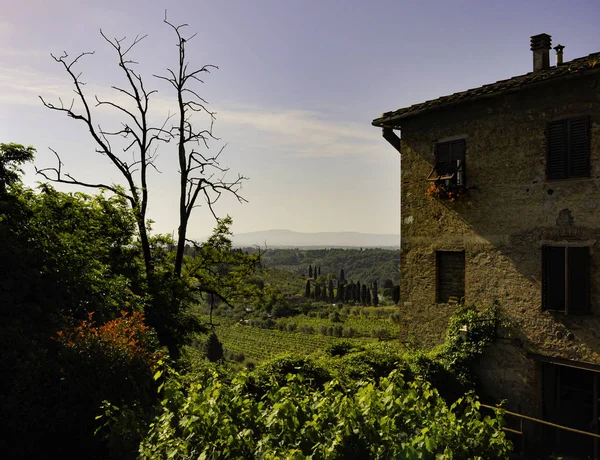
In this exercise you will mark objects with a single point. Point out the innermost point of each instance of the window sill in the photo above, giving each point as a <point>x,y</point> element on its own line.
<point>568,180</point>
<point>562,312</point>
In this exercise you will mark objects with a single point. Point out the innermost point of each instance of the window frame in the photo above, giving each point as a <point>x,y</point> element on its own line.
<point>445,170</point>
<point>438,255</point>
<point>568,153</point>
<point>549,281</point>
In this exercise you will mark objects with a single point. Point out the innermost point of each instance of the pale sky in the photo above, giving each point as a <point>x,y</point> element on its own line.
<point>297,87</point>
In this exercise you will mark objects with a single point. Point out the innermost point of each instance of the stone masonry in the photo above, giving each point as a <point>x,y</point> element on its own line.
<point>511,212</point>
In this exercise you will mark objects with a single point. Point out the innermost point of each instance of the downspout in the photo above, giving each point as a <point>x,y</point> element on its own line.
<point>390,136</point>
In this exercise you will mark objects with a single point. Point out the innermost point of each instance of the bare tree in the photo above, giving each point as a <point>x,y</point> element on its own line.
<point>200,173</point>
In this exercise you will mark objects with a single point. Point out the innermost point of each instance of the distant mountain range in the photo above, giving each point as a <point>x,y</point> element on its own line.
<point>291,239</point>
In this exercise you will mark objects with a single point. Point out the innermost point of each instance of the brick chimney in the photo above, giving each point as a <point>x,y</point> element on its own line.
<point>559,54</point>
<point>540,45</point>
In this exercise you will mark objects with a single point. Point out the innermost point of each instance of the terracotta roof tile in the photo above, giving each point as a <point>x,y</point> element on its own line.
<point>575,66</point>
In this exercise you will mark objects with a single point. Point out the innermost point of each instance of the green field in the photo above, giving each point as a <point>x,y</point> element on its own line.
<point>290,335</point>
<point>364,320</point>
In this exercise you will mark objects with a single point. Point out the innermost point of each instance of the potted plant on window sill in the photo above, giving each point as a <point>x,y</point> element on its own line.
<point>448,191</point>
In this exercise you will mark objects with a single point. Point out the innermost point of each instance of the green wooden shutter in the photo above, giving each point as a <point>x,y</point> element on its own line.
<point>556,150</point>
<point>579,147</point>
<point>458,148</point>
<point>578,263</point>
<point>443,158</point>
<point>451,275</point>
<point>553,278</point>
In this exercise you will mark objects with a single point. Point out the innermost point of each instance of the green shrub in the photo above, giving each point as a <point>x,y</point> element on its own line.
<point>214,348</point>
<point>381,334</point>
<point>214,419</point>
<point>335,317</point>
<point>374,362</point>
<point>340,348</point>
<point>349,332</point>
<point>314,374</point>
<point>307,329</point>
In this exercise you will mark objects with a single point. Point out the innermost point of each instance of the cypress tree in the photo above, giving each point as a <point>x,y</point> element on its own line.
<point>388,285</point>
<point>310,271</point>
<point>368,297</point>
<point>317,292</point>
<point>375,296</point>
<point>331,290</point>
<point>307,291</point>
<point>357,292</point>
<point>324,293</point>
<point>396,294</point>
<point>363,294</point>
<point>342,279</point>
<point>319,270</point>
<point>214,348</point>
<point>341,289</point>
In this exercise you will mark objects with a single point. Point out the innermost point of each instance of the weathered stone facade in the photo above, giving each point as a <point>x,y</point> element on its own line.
<point>501,226</point>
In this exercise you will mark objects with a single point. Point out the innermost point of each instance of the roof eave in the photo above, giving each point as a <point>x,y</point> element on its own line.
<point>389,120</point>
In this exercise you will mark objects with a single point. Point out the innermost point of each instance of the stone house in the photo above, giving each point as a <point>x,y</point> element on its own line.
<point>500,202</point>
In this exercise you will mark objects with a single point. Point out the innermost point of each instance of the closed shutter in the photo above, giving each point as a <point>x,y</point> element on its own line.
<point>556,142</point>
<point>553,278</point>
<point>443,158</point>
<point>579,147</point>
<point>578,264</point>
<point>451,275</point>
<point>458,148</point>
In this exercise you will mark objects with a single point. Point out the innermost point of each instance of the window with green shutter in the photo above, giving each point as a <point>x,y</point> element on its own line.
<point>565,278</point>
<point>450,276</point>
<point>568,148</point>
<point>449,162</point>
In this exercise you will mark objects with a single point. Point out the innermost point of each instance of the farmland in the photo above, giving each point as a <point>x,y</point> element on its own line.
<point>254,340</point>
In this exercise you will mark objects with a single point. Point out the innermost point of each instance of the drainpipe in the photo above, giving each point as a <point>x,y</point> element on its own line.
<point>390,136</point>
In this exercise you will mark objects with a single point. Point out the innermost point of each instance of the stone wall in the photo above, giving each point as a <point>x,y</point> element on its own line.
<point>501,227</point>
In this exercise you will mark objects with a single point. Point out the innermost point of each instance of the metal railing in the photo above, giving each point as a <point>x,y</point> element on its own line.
<point>522,417</point>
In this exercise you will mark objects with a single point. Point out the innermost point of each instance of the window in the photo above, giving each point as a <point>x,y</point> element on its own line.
<point>449,163</point>
<point>450,276</point>
<point>568,148</point>
<point>568,398</point>
<point>565,278</point>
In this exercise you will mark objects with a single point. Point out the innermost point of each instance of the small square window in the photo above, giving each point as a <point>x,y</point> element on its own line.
<point>449,163</point>
<point>450,276</point>
<point>568,148</point>
<point>565,279</point>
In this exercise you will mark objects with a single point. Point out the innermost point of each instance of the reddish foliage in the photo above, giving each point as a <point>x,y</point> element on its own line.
<point>126,337</point>
<point>446,192</point>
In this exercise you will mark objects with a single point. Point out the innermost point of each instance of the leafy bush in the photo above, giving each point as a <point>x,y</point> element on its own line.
<point>381,334</point>
<point>335,317</point>
<point>313,374</point>
<point>214,348</point>
<point>340,348</point>
<point>372,362</point>
<point>349,332</point>
<point>114,361</point>
<point>307,329</point>
<point>448,367</point>
<point>214,419</point>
